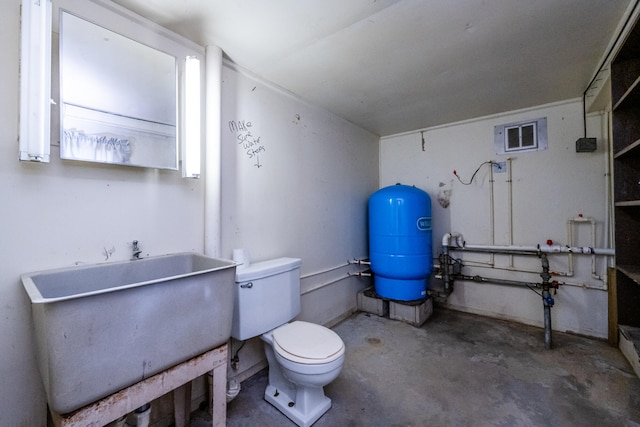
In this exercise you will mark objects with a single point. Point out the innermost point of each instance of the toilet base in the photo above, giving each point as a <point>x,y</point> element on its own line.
<point>304,409</point>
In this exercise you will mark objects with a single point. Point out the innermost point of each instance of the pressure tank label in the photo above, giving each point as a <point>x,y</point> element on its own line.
<point>424,223</point>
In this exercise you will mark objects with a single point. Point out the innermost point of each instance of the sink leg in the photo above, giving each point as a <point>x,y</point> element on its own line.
<point>182,405</point>
<point>219,395</point>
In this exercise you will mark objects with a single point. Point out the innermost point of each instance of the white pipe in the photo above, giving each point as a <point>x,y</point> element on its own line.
<point>317,273</point>
<point>143,415</point>
<point>360,274</point>
<point>570,224</point>
<point>570,242</point>
<point>510,205</point>
<point>608,219</point>
<point>549,249</point>
<point>359,262</point>
<point>329,282</point>
<point>492,211</point>
<point>325,284</point>
<point>457,238</point>
<point>593,257</point>
<point>456,241</point>
<point>500,248</point>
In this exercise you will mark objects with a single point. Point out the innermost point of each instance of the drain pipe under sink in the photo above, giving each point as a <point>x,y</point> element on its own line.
<point>143,415</point>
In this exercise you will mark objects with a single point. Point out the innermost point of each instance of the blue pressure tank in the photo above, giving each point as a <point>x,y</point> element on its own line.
<point>400,242</point>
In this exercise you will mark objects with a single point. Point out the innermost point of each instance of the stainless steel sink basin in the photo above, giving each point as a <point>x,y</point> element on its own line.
<point>100,328</point>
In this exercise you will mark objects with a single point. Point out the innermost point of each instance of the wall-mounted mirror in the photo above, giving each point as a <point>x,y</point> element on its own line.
<point>129,89</point>
<point>118,98</point>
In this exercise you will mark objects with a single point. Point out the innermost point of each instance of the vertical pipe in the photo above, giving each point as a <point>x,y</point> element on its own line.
<point>571,223</point>
<point>547,323</point>
<point>510,206</point>
<point>594,274</point>
<point>213,153</point>
<point>143,415</point>
<point>609,240</point>
<point>492,213</point>
<point>571,244</point>
<point>609,215</point>
<point>444,262</point>
<point>445,269</point>
<point>547,300</point>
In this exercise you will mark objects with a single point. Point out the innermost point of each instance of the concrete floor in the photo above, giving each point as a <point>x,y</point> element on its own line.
<point>462,370</point>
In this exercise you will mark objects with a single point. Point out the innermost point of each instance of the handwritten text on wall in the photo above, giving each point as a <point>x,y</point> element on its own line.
<point>250,143</point>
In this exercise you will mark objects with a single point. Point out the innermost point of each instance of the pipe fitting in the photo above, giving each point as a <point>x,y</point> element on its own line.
<point>454,237</point>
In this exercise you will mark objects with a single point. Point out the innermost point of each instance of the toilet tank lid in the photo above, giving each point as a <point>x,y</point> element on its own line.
<point>268,268</point>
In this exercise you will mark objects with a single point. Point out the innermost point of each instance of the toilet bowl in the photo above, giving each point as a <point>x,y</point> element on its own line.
<point>303,357</point>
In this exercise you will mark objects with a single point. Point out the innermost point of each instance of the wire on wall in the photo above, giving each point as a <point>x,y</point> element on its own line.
<point>488,162</point>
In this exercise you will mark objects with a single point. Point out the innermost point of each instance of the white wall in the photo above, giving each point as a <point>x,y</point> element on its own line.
<point>308,200</point>
<point>66,213</point>
<point>548,188</point>
<point>303,194</point>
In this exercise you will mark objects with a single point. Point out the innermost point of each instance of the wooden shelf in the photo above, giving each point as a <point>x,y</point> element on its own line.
<point>631,271</point>
<point>630,345</point>
<point>628,203</point>
<point>629,149</point>
<point>625,94</point>
<point>630,96</point>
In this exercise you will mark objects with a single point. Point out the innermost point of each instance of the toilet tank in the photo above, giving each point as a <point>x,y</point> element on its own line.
<point>267,295</point>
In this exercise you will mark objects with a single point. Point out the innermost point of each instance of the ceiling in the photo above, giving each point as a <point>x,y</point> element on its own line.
<point>392,66</point>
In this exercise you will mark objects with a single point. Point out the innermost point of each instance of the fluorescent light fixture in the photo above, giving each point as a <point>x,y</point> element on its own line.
<point>192,122</point>
<point>35,81</point>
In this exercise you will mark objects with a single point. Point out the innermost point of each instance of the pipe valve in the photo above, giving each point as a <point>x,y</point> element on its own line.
<point>548,300</point>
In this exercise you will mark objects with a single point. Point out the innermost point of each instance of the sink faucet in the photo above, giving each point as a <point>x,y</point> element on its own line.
<point>136,250</point>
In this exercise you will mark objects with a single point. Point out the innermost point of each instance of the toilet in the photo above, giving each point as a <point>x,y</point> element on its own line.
<point>303,357</point>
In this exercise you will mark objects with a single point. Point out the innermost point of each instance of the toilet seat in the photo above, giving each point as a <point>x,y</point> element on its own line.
<point>307,343</point>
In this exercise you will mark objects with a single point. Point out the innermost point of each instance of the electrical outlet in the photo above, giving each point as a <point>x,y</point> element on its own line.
<point>499,167</point>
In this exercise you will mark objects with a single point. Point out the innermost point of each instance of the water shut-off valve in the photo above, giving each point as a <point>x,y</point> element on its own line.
<point>547,299</point>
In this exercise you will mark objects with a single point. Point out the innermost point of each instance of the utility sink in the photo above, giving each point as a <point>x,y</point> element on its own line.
<point>101,328</point>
